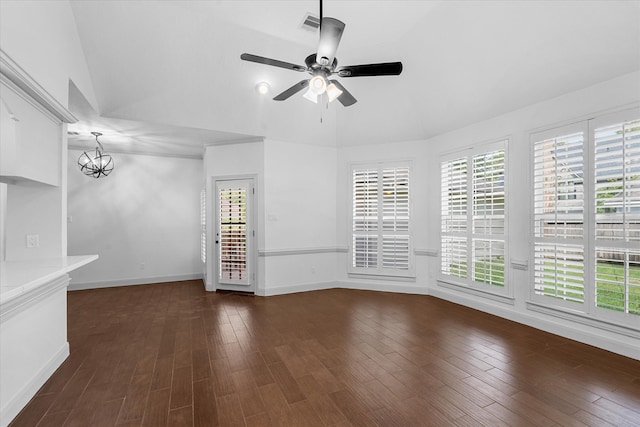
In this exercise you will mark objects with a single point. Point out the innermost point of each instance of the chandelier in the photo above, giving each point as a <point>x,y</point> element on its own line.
<point>98,163</point>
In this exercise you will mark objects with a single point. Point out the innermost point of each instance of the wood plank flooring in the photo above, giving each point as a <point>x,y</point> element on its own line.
<point>172,354</point>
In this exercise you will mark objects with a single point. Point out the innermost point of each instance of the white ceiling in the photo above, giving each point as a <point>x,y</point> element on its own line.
<point>168,75</point>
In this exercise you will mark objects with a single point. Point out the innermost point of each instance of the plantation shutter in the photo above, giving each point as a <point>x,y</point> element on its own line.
<point>617,216</point>
<point>233,234</point>
<point>488,172</point>
<point>558,197</point>
<point>453,180</point>
<point>473,217</point>
<point>395,218</point>
<point>381,220</point>
<point>365,218</point>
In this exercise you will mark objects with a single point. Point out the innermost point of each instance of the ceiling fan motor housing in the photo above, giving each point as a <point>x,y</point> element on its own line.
<point>313,64</point>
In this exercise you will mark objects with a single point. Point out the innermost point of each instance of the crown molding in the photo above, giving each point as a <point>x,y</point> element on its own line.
<point>11,72</point>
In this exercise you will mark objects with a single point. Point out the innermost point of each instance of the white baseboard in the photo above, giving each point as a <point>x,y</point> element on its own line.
<point>20,400</point>
<point>593,336</point>
<point>137,281</point>
<point>369,286</point>
<point>304,287</point>
<point>399,287</point>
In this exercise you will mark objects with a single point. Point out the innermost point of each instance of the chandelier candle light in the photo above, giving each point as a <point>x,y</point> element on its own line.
<point>96,164</point>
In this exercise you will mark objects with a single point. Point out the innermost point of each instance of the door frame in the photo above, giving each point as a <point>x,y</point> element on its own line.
<point>212,226</point>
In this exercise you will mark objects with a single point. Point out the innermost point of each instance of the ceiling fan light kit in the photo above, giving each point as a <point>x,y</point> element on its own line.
<point>323,64</point>
<point>333,92</point>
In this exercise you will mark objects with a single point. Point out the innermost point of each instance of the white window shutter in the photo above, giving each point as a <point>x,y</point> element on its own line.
<point>473,217</point>
<point>558,197</point>
<point>616,149</point>
<point>381,242</point>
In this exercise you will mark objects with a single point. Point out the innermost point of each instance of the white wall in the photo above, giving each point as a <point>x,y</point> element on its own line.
<point>52,55</point>
<point>516,126</point>
<point>300,224</point>
<point>143,220</point>
<point>295,211</point>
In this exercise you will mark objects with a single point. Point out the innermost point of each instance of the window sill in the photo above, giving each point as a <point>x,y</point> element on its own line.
<point>477,292</point>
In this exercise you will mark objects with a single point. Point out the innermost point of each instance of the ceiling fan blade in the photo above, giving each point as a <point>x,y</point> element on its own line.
<point>273,62</point>
<point>292,90</point>
<point>382,69</point>
<point>330,34</point>
<point>345,98</point>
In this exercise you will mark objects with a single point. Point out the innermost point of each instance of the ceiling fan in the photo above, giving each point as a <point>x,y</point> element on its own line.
<point>323,64</point>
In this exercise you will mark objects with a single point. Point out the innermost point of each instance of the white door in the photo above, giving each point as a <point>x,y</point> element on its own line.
<point>234,235</point>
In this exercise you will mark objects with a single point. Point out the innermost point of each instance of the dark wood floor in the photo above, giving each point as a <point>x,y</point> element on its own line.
<point>173,354</point>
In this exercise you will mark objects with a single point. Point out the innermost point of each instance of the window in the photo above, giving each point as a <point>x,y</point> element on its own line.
<point>381,240</point>
<point>586,199</point>
<point>473,217</point>
<point>558,200</point>
<point>616,178</point>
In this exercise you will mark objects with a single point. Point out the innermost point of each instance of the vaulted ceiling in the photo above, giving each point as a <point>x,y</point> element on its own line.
<point>175,66</point>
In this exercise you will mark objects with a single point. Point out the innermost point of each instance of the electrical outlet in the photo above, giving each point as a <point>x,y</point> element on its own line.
<point>142,266</point>
<point>33,241</point>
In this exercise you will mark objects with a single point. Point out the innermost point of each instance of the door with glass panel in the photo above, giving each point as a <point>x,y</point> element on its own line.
<point>234,234</point>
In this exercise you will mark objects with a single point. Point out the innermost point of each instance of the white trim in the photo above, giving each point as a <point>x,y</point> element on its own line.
<point>584,319</point>
<point>235,141</point>
<point>292,289</point>
<point>141,153</point>
<point>426,252</point>
<point>20,400</point>
<point>519,264</point>
<point>480,292</point>
<point>363,286</point>
<point>12,74</point>
<point>31,297</point>
<point>299,251</point>
<point>134,281</point>
<point>384,287</point>
<point>383,276</point>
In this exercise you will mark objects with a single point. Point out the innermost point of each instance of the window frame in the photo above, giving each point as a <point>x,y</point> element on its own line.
<point>501,293</point>
<point>588,308</point>
<point>560,131</point>
<point>379,271</point>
